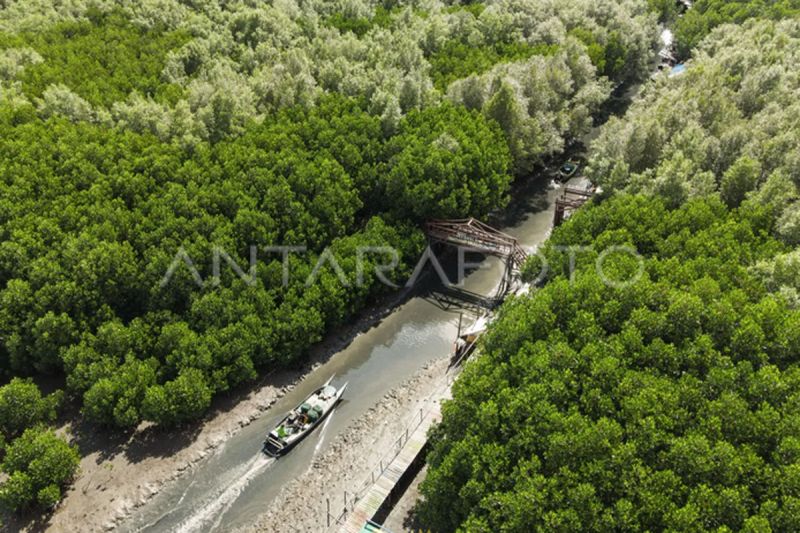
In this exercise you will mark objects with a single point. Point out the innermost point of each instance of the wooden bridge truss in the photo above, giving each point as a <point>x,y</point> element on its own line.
<point>479,237</point>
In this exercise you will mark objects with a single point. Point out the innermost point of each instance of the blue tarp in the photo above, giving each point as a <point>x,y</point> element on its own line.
<point>680,68</point>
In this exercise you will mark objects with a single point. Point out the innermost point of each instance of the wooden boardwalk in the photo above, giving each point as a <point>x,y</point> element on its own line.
<point>570,200</point>
<point>381,489</point>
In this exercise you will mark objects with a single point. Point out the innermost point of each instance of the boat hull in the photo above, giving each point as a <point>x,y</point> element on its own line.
<point>275,446</point>
<point>278,452</point>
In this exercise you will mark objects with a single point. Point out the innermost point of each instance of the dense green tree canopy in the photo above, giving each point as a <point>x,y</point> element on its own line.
<point>38,465</point>
<point>445,161</point>
<point>93,59</point>
<point>538,103</point>
<point>150,150</point>
<point>22,406</point>
<point>668,404</point>
<point>200,71</point>
<point>728,126</point>
<point>94,218</point>
<point>706,15</point>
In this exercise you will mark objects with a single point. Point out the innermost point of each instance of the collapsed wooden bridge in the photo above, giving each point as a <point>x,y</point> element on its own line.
<point>478,237</point>
<point>570,200</point>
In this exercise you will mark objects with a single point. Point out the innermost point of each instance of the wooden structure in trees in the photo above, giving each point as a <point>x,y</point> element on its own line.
<point>570,200</point>
<point>478,237</point>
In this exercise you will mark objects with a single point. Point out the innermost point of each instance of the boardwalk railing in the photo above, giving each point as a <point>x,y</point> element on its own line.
<point>480,237</point>
<point>361,505</point>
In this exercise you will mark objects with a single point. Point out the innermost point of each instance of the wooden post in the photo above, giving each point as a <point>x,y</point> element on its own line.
<point>460,318</point>
<point>328,515</point>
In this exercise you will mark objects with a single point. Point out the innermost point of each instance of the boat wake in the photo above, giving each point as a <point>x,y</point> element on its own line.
<point>216,508</point>
<point>322,433</point>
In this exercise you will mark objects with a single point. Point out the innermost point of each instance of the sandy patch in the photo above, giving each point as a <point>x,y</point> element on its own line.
<point>110,487</point>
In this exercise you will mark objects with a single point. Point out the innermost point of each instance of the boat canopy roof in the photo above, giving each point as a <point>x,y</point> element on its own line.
<point>478,327</point>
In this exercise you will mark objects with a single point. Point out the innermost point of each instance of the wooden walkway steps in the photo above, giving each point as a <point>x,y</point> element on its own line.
<point>570,200</point>
<point>358,520</point>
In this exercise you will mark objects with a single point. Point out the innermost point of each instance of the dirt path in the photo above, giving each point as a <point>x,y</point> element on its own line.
<point>347,463</point>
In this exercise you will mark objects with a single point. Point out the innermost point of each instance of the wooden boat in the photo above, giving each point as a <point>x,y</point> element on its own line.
<point>302,420</point>
<point>568,169</point>
<point>467,339</point>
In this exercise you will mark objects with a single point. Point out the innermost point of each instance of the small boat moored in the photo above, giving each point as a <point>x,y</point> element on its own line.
<point>466,340</point>
<point>302,419</point>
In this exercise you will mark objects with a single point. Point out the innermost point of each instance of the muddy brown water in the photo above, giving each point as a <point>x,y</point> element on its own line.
<point>235,484</point>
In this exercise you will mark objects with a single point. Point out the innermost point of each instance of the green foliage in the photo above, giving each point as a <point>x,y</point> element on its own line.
<point>93,219</point>
<point>138,137</point>
<point>781,274</point>
<point>195,71</point>
<point>666,404</point>
<point>445,161</point>
<point>22,406</point>
<point>727,126</point>
<point>116,399</point>
<point>741,178</point>
<point>102,59</point>
<point>361,25</point>
<point>475,8</point>
<point>39,464</point>
<point>667,10</point>
<point>48,496</point>
<point>343,23</point>
<point>610,58</point>
<point>535,103</point>
<point>185,398</point>
<point>457,59</point>
<point>706,15</point>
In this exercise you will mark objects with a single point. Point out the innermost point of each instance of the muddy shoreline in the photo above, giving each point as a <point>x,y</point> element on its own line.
<point>346,464</point>
<point>120,473</point>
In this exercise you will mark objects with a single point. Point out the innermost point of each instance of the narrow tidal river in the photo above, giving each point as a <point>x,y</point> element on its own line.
<point>235,484</point>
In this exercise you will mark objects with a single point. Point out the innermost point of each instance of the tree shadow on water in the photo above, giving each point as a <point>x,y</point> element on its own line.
<point>527,198</point>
